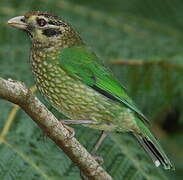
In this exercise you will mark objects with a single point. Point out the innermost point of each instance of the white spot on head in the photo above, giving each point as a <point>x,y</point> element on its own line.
<point>157,163</point>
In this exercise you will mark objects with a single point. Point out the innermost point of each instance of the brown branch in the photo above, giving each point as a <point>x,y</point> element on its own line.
<point>18,93</point>
<point>134,62</point>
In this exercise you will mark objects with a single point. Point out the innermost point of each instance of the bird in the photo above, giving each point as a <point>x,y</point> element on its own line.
<point>76,82</point>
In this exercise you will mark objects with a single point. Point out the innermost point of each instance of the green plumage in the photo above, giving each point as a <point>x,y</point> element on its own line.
<point>83,64</point>
<point>72,78</point>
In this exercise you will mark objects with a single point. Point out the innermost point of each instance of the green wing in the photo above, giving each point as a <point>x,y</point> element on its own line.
<point>81,63</point>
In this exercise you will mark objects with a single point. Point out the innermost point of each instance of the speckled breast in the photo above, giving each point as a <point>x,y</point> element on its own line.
<point>76,100</point>
<point>67,94</point>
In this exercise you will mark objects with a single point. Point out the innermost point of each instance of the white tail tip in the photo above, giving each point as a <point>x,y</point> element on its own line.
<point>157,163</point>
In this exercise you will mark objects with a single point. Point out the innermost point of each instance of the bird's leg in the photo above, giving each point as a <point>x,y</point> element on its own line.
<point>97,145</point>
<point>94,150</point>
<point>78,122</point>
<point>70,129</point>
<point>99,142</point>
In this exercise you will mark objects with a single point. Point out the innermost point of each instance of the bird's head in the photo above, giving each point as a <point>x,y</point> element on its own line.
<point>46,30</point>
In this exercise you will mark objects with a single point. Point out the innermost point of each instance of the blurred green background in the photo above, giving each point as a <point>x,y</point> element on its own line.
<point>142,43</point>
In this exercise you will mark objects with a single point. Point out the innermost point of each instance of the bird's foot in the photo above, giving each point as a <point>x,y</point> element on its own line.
<point>99,159</point>
<point>71,130</point>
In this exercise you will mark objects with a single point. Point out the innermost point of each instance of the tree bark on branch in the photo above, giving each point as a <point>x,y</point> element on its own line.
<point>17,93</point>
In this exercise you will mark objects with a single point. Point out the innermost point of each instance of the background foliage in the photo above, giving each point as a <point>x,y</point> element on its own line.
<point>141,40</point>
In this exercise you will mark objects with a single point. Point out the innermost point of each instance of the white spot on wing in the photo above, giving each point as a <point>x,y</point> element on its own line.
<point>157,163</point>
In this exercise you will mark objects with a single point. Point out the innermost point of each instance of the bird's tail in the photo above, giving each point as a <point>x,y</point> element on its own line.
<point>154,150</point>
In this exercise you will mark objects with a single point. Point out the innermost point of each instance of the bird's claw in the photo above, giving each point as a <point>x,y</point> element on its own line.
<point>71,131</point>
<point>99,159</point>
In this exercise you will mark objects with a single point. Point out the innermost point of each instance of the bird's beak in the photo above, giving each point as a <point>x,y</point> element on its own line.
<point>18,22</point>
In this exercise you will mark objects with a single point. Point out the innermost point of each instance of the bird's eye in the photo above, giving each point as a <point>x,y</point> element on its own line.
<point>41,22</point>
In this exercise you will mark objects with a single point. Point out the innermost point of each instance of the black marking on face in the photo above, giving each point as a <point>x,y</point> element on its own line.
<point>51,32</point>
<point>105,93</point>
<point>29,29</point>
<point>29,33</point>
